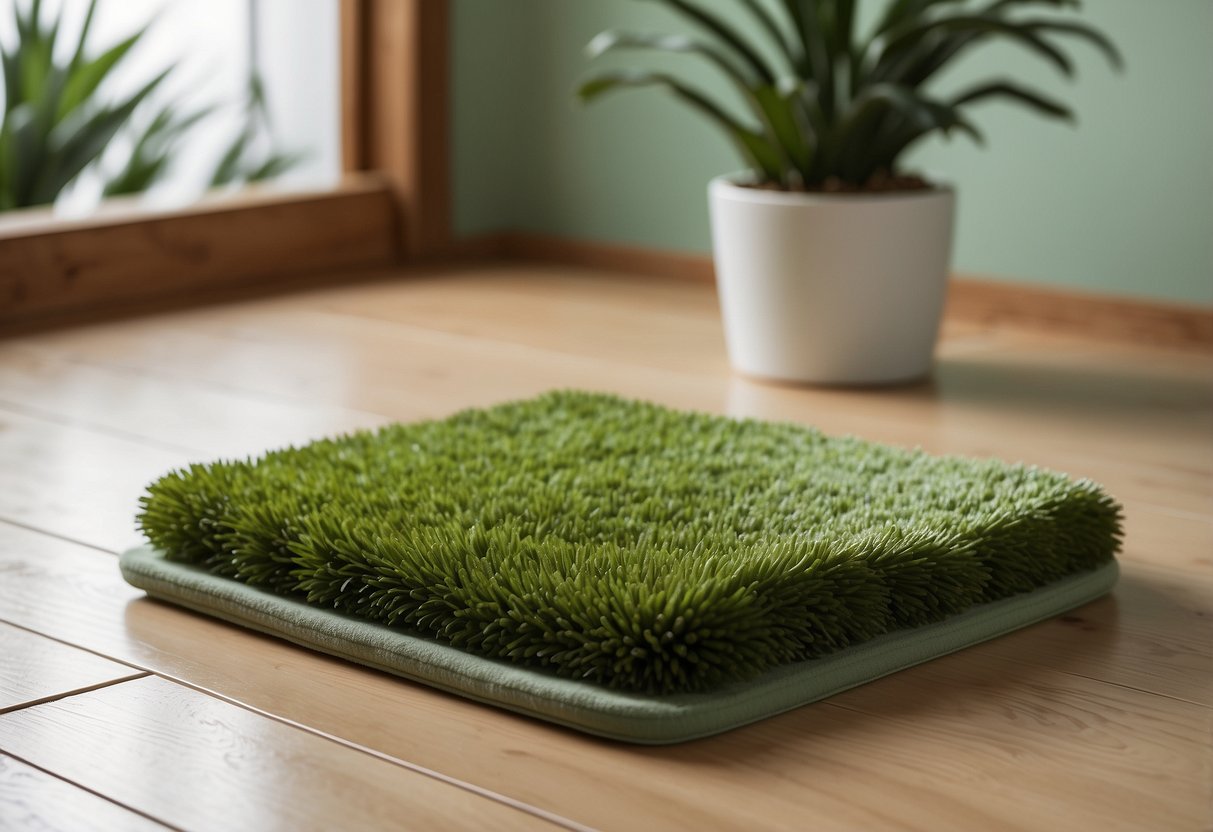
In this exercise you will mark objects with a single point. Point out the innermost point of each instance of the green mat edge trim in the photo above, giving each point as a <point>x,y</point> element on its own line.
<point>618,715</point>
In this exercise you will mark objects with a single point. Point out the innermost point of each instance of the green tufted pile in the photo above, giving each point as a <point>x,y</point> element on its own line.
<point>627,544</point>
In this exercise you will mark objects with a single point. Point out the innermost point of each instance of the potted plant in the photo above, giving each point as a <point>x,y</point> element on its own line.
<point>831,259</point>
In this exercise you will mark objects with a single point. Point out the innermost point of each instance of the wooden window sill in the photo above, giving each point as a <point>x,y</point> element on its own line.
<point>126,256</point>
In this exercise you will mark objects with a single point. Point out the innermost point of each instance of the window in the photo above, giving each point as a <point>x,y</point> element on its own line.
<point>343,82</point>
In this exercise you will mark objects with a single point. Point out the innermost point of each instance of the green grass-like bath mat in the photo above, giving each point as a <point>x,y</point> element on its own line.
<point>578,556</point>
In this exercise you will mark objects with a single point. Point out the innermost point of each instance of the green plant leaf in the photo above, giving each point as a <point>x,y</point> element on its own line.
<point>151,157</point>
<point>728,35</point>
<point>54,125</point>
<point>779,111</point>
<point>1003,5</point>
<point>862,147</point>
<point>81,138</point>
<point>10,65</point>
<point>82,37</point>
<point>775,31</point>
<point>239,163</point>
<point>8,167</point>
<point>900,12</point>
<point>1014,92</point>
<point>274,165</point>
<point>806,16</point>
<point>768,104</point>
<point>229,168</point>
<point>1078,30</point>
<point>858,101</point>
<point>758,151</point>
<point>87,76</point>
<point>35,64</point>
<point>613,41</point>
<point>28,147</point>
<point>917,38</point>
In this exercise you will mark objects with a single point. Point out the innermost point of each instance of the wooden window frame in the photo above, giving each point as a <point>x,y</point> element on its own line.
<point>395,58</point>
<point>392,206</point>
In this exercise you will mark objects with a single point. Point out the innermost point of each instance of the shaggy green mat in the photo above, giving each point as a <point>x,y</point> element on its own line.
<point>607,712</point>
<point>641,548</point>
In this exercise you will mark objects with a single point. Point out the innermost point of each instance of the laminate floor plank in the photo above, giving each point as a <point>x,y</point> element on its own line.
<point>192,418</point>
<point>34,669</point>
<point>33,801</point>
<point>1080,676</point>
<point>402,373</point>
<point>1098,719</point>
<point>192,761</point>
<point>74,482</point>
<point>83,482</point>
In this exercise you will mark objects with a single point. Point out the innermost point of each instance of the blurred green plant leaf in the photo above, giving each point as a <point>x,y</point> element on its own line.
<point>851,103</point>
<point>57,123</point>
<point>253,155</point>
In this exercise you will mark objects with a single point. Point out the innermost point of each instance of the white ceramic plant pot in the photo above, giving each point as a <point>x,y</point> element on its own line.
<point>831,288</point>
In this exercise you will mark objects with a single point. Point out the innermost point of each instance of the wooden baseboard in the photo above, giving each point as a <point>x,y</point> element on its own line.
<point>974,299</point>
<point>1109,317</point>
<point>677,265</point>
<point>54,271</point>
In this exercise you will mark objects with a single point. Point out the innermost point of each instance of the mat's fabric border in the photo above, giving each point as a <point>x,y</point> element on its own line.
<point>650,720</point>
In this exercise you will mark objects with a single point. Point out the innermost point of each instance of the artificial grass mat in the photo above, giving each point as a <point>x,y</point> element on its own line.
<point>596,709</point>
<point>626,545</point>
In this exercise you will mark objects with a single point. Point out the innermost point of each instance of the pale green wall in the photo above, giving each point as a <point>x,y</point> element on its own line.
<point>1123,203</point>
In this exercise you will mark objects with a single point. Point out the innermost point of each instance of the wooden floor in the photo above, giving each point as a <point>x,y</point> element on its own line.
<point>118,712</point>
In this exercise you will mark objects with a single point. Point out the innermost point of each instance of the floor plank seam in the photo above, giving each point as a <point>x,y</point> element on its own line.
<point>143,672</point>
<point>1205,705</point>
<point>1170,570</point>
<point>46,700</point>
<point>498,344</point>
<point>1095,679</point>
<point>69,422</point>
<point>1184,514</point>
<point>69,357</point>
<point>48,533</point>
<point>523,350</point>
<point>139,668</point>
<point>464,785</point>
<point>93,792</point>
